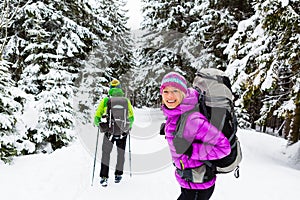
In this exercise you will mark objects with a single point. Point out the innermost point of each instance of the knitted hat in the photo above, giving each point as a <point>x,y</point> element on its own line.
<point>174,79</point>
<point>115,84</point>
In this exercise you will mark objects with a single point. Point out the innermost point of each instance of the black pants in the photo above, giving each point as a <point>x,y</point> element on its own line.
<point>189,194</point>
<point>107,146</point>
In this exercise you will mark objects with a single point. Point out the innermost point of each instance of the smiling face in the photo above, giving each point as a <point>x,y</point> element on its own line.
<point>172,97</point>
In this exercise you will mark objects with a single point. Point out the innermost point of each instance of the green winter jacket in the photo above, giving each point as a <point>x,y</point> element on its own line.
<point>102,107</point>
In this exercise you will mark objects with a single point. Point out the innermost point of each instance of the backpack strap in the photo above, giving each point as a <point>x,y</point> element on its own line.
<point>235,125</point>
<point>201,102</point>
<point>180,124</point>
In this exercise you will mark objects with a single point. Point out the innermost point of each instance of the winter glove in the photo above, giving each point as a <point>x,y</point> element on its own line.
<point>162,129</point>
<point>124,135</point>
<point>182,146</point>
<point>96,121</point>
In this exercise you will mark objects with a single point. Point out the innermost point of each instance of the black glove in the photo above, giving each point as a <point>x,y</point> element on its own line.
<point>182,146</point>
<point>162,129</point>
<point>104,127</point>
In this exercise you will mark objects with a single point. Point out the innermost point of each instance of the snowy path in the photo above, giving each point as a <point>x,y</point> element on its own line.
<point>266,171</point>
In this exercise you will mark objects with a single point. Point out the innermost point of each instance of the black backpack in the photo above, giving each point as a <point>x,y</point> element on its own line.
<point>216,103</point>
<point>117,116</point>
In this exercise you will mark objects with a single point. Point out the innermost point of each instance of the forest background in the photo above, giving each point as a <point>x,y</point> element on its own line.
<point>57,58</point>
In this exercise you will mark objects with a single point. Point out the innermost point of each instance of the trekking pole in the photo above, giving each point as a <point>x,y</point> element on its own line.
<point>129,155</point>
<point>95,156</point>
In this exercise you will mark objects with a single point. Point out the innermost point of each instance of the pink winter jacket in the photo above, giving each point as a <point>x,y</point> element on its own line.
<point>215,145</point>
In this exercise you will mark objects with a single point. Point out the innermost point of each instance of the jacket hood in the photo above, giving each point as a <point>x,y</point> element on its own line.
<point>116,92</point>
<point>188,103</point>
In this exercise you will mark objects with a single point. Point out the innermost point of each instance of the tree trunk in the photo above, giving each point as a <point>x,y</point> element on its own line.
<point>295,126</point>
<point>287,125</point>
<point>264,128</point>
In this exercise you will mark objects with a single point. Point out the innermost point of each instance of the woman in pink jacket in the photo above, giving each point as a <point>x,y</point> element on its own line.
<point>200,139</point>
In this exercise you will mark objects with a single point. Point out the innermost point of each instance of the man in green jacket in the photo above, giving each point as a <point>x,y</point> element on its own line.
<point>110,138</point>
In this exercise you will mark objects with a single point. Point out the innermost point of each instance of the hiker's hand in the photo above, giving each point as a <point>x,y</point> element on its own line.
<point>124,135</point>
<point>162,129</point>
<point>96,121</point>
<point>182,146</point>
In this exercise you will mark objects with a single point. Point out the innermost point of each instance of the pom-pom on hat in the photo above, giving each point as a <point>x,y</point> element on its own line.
<point>174,79</point>
<point>115,84</point>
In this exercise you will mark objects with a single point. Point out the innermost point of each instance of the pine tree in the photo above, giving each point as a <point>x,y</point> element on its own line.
<point>163,51</point>
<point>185,36</point>
<point>119,43</point>
<point>47,38</point>
<point>113,58</point>
<point>263,46</point>
<point>56,120</point>
<point>282,20</point>
<point>7,120</point>
<point>211,30</point>
<point>13,141</point>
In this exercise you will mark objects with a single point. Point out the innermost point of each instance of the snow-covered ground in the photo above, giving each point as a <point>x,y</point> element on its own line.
<point>269,170</point>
